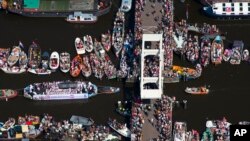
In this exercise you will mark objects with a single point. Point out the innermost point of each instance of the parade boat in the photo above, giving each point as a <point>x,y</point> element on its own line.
<point>7,94</point>
<point>39,71</point>
<point>122,129</point>
<point>86,67</point>
<point>76,66</point>
<point>81,120</point>
<point>88,43</point>
<point>237,50</point>
<point>8,124</point>
<point>180,129</point>
<point>188,73</point>
<point>54,61</point>
<point>108,90</point>
<point>245,55</point>
<point>126,5</point>
<point>60,90</point>
<point>34,56</point>
<point>217,50</point>
<point>99,51</point>
<point>80,48</point>
<point>65,62</point>
<point>14,56</point>
<point>4,54</point>
<point>228,10</point>
<point>227,54</point>
<point>205,52</point>
<point>197,90</point>
<point>79,17</point>
<point>106,41</point>
<point>45,60</point>
<point>118,32</point>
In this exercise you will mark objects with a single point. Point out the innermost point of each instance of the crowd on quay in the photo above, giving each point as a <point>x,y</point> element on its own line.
<point>137,121</point>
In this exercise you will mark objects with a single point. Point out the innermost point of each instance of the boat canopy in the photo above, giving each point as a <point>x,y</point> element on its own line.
<point>31,4</point>
<point>218,38</point>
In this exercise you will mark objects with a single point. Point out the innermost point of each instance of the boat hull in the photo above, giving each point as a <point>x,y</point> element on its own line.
<point>58,97</point>
<point>36,71</point>
<point>13,71</point>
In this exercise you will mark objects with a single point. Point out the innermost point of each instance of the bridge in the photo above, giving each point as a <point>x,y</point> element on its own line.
<point>147,50</point>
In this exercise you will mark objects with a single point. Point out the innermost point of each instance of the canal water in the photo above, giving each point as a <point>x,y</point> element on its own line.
<point>229,84</point>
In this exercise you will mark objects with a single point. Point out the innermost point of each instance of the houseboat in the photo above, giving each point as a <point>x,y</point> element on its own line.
<point>79,17</point>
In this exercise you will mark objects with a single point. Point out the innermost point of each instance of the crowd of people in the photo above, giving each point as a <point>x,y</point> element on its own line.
<point>137,121</point>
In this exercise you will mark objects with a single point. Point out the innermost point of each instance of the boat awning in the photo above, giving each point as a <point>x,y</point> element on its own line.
<point>31,4</point>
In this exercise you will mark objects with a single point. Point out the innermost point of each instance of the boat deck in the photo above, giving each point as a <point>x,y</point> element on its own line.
<point>59,5</point>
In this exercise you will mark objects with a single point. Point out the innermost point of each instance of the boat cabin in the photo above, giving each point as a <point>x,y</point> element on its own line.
<point>231,8</point>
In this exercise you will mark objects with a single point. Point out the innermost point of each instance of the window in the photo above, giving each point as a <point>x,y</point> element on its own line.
<point>215,8</point>
<point>248,4</point>
<point>241,9</point>
<point>232,13</point>
<point>248,8</point>
<point>241,13</point>
<point>223,4</point>
<point>232,4</point>
<point>224,9</point>
<point>223,13</point>
<point>232,9</point>
<point>240,4</point>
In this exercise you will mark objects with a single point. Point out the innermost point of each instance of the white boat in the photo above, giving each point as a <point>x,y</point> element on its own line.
<point>39,71</point>
<point>13,70</point>
<point>88,43</point>
<point>8,124</point>
<point>180,129</point>
<point>80,48</point>
<point>54,60</point>
<point>86,67</point>
<point>14,56</point>
<point>60,90</point>
<point>79,17</point>
<point>126,5</point>
<point>65,62</point>
<point>99,50</point>
<point>245,55</point>
<point>122,129</point>
<point>226,55</point>
<point>228,9</point>
<point>23,60</point>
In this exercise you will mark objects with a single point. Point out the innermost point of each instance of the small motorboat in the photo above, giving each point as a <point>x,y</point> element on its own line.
<point>14,56</point>
<point>7,94</point>
<point>29,120</point>
<point>245,55</point>
<point>4,54</point>
<point>217,49</point>
<point>109,68</point>
<point>40,71</point>
<point>97,66</point>
<point>120,128</point>
<point>8,124</point>
<point>99,51</point>
<point>205,52</point>
<point>45,60</point>
<point>197,91</point>
<point>76,66</point>
<point>65,62</point>
<point>180,131</point>
<point>34,55</point>
<point>23,60</point>
<point>80,48</point>
<point>88,43</point>
<point>106,41</point>
<point>81,120</point>
<point>188,73</point>
<point>54,61</point>
<point>86,67</point>
<point>108,90</point>
<point>237,50</point>
<point>226,55</point>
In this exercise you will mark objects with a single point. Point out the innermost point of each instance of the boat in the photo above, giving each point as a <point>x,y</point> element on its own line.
<point>205,52</point>
<point>80,48</point>
<point>118,32</point>
<point>65,62</point>
<point>28,120</point>
<point>14,56</point>
<point>88,43</point>
<point>97,66</point>
<point>126,5</point>
<point>8,124</point>
<point>188,73</point>
<point>108,90</point>
<point>39,71</point>
<point>244,123</point>
<point>197,90</point>
<point>4,54</point>
<point>54,61</point>
<point>86,67</point>
<point>122,110</point>
<point>233,10</point>
<point>170,76</point>
<point>14,70</point>
<point>45,60</point>
<point>106,41</point>
<point>99,51</point>
<point>245,55</point>
<point>23,60</point>
<point>79,17</point>
<point>227,54</point>
<point>60,90</point>
<point>237,50</point>
<point>81,120</point>
<point>34,56</point>
<point>122,129</point>
<point>7,94</point>
<point>51,8</point>
<point>76,66</point>
<point>217,50</point>
<point>109,68</point>
<point>180,129</point>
